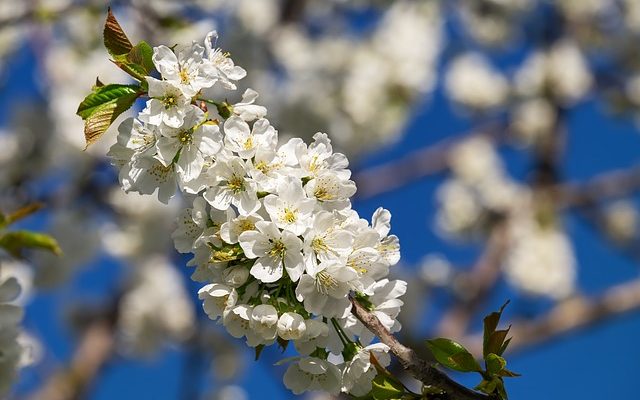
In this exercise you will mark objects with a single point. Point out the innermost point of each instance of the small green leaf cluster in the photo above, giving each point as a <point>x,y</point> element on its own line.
<point>455,356</point>
<point>106,102</point>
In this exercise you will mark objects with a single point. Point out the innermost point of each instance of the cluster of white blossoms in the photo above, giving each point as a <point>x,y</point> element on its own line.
<point>144,326</point>
<point>271,226</point>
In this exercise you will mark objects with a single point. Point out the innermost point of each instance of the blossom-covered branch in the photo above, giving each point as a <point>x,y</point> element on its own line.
<point>271,227</point>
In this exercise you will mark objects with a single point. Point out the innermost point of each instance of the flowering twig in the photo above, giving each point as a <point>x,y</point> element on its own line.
<point>410,361</point>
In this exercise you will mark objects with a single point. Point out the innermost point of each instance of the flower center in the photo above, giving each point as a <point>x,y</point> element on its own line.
<point>184,75</point>
<point>321,193</point>
<point>289,216</point>
<point>247,225</point>
<point>318,245</point>
<point>325,282</point>
<point>185,137</point>
<point>169,101</point>
<point>236,184</point>
<point>248,144</point>
<point>278,249</point>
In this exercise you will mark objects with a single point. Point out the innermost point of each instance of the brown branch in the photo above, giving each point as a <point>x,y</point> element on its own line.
<point>410,361</point>
<point>569,316</point>
<point>95,348</point>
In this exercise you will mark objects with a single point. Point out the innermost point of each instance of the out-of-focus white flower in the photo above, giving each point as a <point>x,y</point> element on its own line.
<point>533,120</point>
<point>156,309</point>
<point>259,16</point>
<point>459,208</point>
<point>473,83</point>
<point>621,220</point>
<point>493,22</point>
<point>435,270</point>
<point>540,261</point>
<point>231,392</point>
<point>475,160</point>
<point>17,349</point>
<point>584,9</point>
<point>562,71</point>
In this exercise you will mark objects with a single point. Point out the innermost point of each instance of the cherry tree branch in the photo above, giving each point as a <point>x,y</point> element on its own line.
<point>95,348</point>
<point>607,185</point>
<point>420,369</point>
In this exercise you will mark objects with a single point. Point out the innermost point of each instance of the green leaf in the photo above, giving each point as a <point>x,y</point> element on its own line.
<point>138,62</point>
<point>490,325</point>
<point>17,241</point>
<point>115,40</point>
<point>497,341</point>
<point>386,388</point>
<point>102,95</point>
<point>453,355</point>
<point>142,55</point>
<point>495,363</point>
<point>103,116</point>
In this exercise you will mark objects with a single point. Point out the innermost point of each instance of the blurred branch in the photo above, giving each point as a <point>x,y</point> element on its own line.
<point>94,349</point>
<point>292,10</point>
<point>607,185</point>
<point>477,283</point>
<point>424,162</point>
<point>410,361</point>
<point>573,314</point>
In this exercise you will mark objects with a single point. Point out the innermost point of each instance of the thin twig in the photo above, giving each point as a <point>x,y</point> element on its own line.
<point>410,361</point>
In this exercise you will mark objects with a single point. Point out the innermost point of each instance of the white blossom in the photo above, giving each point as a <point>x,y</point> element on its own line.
<point>275,251</point>
<point>312,373</point>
